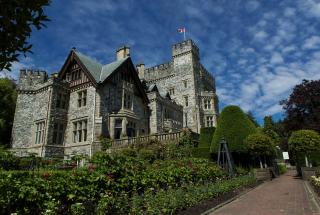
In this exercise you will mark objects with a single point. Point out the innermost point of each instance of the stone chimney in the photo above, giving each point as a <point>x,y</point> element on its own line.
<point>123,52</point>
<point>140,68</point>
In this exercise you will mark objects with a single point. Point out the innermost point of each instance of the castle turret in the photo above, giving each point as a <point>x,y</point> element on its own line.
<point>30,78</point>
<point>185,47</point>
<point>140,68</point>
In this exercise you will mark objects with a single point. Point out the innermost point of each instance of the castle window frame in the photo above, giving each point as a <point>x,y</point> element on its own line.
<point>209,121</point>
<point>186,101</point>
<point>58,134</point>
<point>61,101</point>
<point>207,104</point>
<point>39,134</point>
<point>80,129</point>
<point>171,91</point>
<point>127,101</point>
<point>82,98</point>
<point>185,83</point>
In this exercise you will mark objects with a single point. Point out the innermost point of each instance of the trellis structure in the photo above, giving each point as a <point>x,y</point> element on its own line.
<point>225,158</point>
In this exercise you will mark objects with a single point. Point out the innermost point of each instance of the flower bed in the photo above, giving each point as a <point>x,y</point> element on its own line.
<point>315,181</point>
<point>115,184</point>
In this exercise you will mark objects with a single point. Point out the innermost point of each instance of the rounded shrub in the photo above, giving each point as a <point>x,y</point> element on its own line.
<point>260,144</point>
<point>233,125</point>
<point>304,141</point>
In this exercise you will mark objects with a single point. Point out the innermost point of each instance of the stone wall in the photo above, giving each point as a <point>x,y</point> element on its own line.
<point>76,114</point>
<point>33,106</point>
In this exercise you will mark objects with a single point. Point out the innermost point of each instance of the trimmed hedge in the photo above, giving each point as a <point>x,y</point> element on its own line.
<point>203,149</point>
<point>206,135</point>
<point>201,152</point>
<point>234,125</point>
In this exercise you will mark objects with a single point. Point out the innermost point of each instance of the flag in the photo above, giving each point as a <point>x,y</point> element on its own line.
<point>181,30</point>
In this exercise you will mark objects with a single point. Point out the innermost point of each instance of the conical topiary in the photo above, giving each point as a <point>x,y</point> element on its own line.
<point>234,125</point>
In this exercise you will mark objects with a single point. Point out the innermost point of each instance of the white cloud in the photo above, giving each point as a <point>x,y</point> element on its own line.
<point>310,7</point>
<point>272,110</point>
<point>311,43</point>
<point>276,58</point>
<point>24,63</point>
<point>252,6</point>
<point>260,35</point>
<point>289,12</point>
<point>289,49</point>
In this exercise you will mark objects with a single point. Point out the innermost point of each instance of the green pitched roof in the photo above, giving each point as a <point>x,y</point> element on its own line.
<point>98,71</point>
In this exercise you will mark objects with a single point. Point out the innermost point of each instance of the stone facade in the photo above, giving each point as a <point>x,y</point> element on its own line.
<point>166,116</point>
<point>65,114</point>
<point>188,83</point>
<point>68,112</point>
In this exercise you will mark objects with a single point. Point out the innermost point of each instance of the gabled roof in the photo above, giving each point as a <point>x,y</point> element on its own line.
<point>165,95</point>
<point>98,71</point>
<point>152,88</point>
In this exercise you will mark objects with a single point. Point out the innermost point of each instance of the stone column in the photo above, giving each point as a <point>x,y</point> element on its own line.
<point>124,127</point>
<point>122,99</point>
<point>111,127</point>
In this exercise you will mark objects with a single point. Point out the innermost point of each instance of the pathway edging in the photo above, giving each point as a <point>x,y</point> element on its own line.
<point>313,196</point>
<point>232,199</point>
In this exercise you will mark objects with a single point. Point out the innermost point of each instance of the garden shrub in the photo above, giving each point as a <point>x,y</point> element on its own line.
<point>172,200</point>
<point>206,135</point>
<point>106,183</point>
<point>129,152</point>
<point>261,146</point>
<point>233,125</point>
<point>304,143</point>
<point>201,152</point>
<point>147,154</point>
<point>282,168</point>
<point>203,149</point>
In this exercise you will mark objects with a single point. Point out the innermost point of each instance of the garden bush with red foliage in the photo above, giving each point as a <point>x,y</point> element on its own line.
<point>117,183</point>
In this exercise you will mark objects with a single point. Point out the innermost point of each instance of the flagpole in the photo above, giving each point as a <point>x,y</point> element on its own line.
<point>184,34</point>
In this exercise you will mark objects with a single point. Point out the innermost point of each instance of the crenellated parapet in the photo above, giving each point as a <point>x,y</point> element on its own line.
<point>185,47</point>
<point>34,81</point>
<point>158,71</point>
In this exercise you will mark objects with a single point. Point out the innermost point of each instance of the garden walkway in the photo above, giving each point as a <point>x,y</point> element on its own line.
<point>285,195</point>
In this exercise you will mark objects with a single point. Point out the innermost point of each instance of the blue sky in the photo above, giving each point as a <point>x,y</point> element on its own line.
<point>258,50</point>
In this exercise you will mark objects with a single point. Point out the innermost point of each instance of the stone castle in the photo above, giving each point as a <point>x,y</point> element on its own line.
<point>66,113</point>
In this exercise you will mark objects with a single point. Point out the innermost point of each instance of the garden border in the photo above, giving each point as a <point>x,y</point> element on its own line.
<point>256,186</point>
<point>314,198</point>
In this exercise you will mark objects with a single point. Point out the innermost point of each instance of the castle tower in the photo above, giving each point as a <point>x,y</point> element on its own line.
<point>189,84</point>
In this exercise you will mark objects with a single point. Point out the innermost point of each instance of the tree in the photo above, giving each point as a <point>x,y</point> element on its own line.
<point>283,133</point>
<point>8,96</point>
<point>252,119</point>
<point>305,142</point>
<point>234,126</point>
<point>17,17</point>
<point>303,107</point>
<point>260,145</point>
<point>269,130</point>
